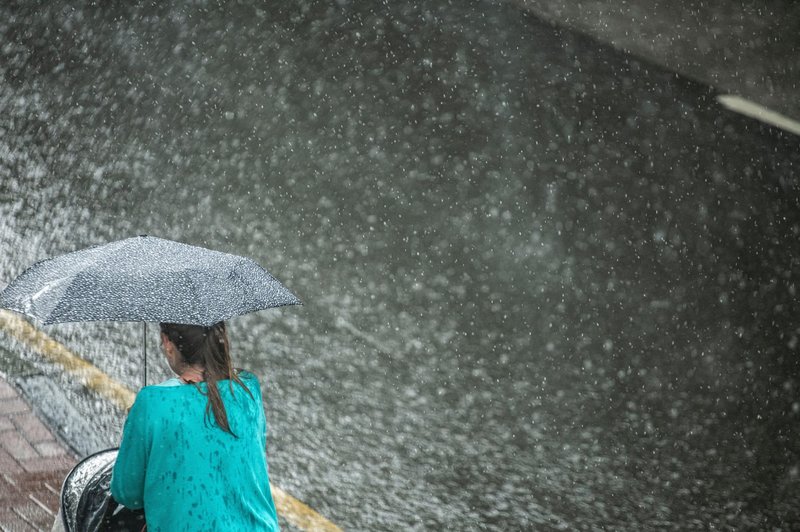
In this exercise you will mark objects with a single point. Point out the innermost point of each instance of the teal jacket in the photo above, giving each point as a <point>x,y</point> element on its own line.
<point>185,471</point>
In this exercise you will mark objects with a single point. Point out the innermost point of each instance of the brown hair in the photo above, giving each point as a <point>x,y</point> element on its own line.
<point>207,347</point>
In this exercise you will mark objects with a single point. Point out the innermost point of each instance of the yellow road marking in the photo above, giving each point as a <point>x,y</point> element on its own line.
<point>56,352</point>
<point>294,511</point>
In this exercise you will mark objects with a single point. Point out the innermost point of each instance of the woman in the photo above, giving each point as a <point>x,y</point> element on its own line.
<point>193,448</point>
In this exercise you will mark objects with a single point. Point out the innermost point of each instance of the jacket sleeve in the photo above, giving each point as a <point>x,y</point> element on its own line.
<point>127,479</point>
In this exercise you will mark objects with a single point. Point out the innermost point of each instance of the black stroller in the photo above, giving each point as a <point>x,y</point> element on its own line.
<point>86,501</point>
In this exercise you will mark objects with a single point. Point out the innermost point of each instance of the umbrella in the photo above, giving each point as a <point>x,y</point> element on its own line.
<point>144,279</point>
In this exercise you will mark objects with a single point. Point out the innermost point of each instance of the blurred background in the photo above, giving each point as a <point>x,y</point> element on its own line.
<point>748,48</point>
<point>549,282</point>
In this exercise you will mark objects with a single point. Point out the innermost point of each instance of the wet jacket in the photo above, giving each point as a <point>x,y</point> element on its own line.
<point>186,472</point>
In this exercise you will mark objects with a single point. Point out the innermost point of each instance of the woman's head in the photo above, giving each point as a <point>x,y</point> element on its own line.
<point>196,345</point>
<point>205,348</point>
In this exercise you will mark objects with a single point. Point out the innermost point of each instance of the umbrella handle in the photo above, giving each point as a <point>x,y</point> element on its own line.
<point>144,350</point>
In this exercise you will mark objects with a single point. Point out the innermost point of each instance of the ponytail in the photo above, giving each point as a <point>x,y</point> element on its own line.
<point>208,347</point>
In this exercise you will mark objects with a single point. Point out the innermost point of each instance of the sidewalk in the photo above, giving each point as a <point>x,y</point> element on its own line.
<point>33,464</point>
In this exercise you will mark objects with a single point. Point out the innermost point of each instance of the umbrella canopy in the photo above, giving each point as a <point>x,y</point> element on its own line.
<point>144,279</point>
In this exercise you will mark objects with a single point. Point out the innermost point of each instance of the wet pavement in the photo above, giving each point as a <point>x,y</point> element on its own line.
<point>546,285</point>
<point>751,49</point>
<point>33,464</point>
